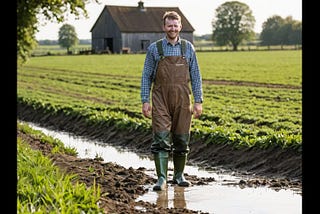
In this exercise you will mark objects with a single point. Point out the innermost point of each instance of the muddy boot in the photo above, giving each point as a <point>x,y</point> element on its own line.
<point>161,163</point>
<point>179,162</point>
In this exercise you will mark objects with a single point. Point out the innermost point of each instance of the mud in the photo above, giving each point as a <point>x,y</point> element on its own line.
<point>274,168</point>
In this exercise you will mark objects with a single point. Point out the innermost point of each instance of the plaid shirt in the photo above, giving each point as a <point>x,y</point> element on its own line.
<point>151,62</point>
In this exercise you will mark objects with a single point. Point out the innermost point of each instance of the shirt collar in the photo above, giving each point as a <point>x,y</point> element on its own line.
<point>168,43</point>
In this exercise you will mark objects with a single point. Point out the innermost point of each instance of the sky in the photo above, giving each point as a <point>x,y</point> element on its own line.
<point>199,13</point>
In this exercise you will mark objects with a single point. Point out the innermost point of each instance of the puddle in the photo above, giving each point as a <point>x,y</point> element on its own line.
<point>213,198</point>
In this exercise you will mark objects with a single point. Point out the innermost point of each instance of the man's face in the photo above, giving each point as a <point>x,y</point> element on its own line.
<point>172,28</point>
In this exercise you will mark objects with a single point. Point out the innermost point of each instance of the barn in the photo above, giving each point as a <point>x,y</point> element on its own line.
<point>124,29</point>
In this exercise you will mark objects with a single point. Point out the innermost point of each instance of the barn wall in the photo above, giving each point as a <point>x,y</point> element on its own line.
<point>106,37</point>
<point>138,42</point>
<point>187,36</point>
<point>106,33</point>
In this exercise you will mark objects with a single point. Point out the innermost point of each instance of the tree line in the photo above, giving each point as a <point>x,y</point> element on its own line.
<point>279,31</point>
<point>232,25</point>
<point>56,42</point>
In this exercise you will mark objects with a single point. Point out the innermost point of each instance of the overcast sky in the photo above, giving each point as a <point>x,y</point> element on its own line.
<point>199,13</point>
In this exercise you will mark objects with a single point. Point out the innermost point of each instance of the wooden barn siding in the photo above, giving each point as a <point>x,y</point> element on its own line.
<point>187,36</point>
<point>133,40</point>
<point>105,28</point>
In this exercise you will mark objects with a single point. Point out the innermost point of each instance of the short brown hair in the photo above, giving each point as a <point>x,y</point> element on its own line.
<point>173,15</point>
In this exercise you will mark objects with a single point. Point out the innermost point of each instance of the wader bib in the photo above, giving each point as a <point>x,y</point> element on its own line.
<point>171,111</point>
<point>171,117</point>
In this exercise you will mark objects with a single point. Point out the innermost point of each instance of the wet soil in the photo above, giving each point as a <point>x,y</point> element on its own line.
<point>120,187</point>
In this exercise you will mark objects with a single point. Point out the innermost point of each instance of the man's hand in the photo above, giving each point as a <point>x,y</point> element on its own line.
<point>197,110</point>
<point>146,110</point>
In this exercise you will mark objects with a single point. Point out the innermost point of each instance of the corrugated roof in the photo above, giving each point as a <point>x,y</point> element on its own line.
<point>149,19</point>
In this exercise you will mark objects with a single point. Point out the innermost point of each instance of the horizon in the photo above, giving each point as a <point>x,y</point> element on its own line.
<point>200,18</point>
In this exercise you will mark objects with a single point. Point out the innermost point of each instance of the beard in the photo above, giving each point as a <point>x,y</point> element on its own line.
<point>172,35</point>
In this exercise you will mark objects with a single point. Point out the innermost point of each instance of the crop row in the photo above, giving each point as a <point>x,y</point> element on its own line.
<point>241,115</point>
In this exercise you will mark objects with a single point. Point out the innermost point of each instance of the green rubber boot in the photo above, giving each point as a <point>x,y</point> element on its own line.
<point>161,163</point>
<point>179,162</point>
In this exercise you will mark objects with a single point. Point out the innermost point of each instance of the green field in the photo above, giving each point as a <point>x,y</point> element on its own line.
<point>42,50</point>
<point>200,46</point>
<point>251,98</point>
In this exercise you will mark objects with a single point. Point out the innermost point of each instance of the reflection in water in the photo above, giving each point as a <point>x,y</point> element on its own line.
<point>179,201</point>
<point>162,199</point>
<point>178,198</point>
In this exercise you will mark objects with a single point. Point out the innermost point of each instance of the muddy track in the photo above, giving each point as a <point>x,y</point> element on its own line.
<point>205,81</point>
<point>276,167</point>
<point>119,186</point>
<point>247,83</point>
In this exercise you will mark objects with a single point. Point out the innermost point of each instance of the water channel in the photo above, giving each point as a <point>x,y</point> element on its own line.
<point>214,198</point>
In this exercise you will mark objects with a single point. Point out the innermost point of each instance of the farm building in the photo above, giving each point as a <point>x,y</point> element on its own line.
<point>123,29</point>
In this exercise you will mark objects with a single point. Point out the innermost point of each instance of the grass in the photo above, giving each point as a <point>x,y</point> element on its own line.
<point>43,188</point>
<point>200,46</point>
<point>106,89</point>
<point>42,50</point>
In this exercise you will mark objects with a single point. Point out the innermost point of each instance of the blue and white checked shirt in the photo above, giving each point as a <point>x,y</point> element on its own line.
<point>151,62</point>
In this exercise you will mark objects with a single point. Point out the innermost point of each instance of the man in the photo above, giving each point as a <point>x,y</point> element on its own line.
<point>170,65</point>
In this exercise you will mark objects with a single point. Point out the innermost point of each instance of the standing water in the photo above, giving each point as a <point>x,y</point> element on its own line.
<point>216,197</point>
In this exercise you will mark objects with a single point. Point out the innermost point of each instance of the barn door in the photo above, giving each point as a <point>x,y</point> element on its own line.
<point>108,44</point>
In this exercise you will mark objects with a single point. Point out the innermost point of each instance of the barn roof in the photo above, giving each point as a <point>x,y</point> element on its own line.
<point>142,19</point>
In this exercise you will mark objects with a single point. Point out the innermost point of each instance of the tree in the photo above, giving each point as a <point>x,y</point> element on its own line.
<point>233,24</point>
<point>295,38</point>
<point>270,28</point>
<point>28,12</point>
<point>67,37</point>
<point>279,31</point>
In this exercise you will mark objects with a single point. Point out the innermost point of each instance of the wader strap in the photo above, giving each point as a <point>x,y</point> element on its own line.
<point>183,47</point>
<point>160,49</point>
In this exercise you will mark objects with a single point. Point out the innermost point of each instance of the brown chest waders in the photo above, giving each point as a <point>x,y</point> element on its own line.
<point>171,118</point>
